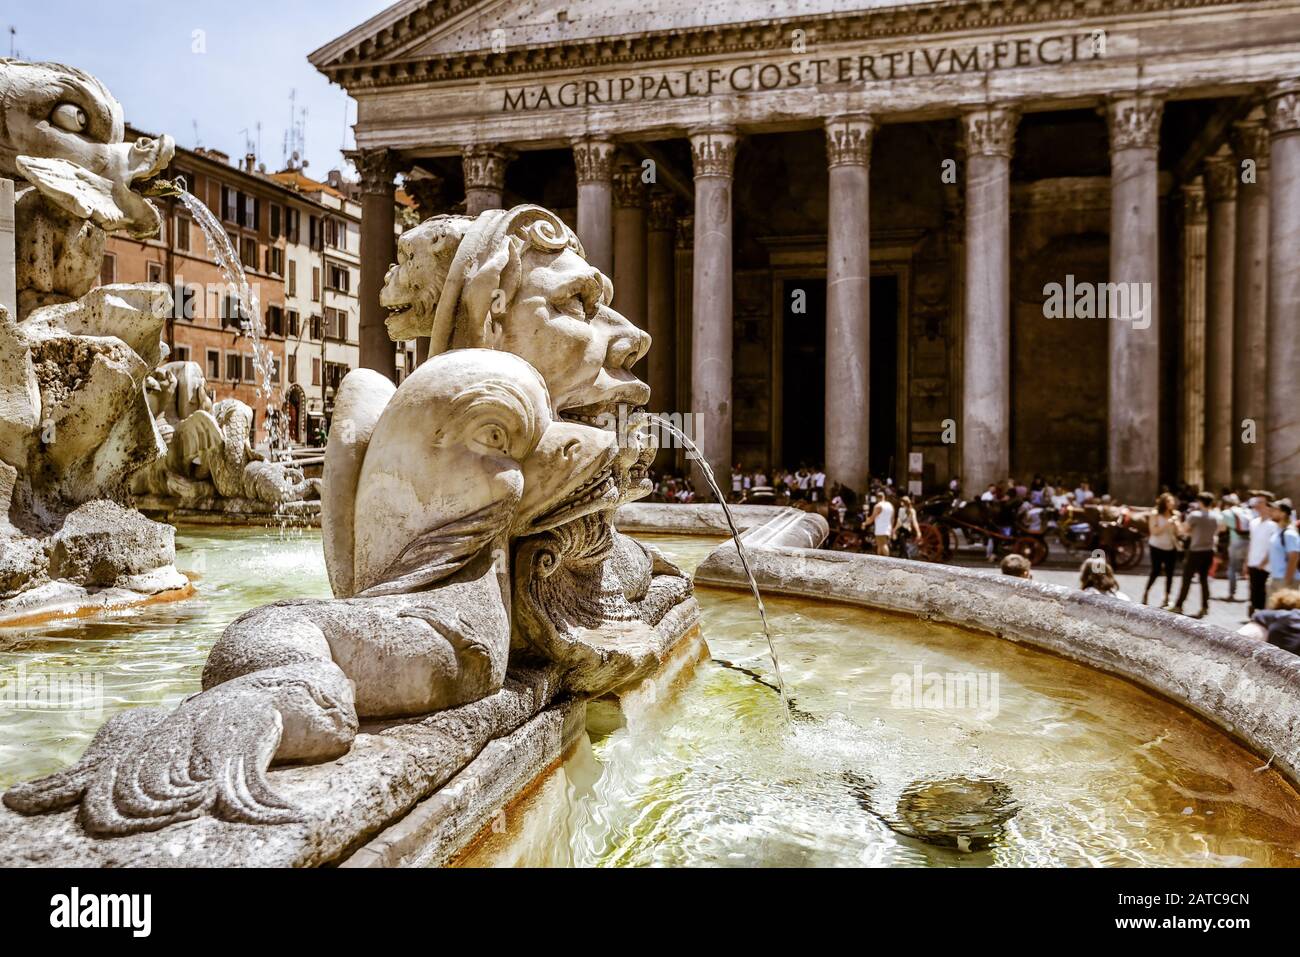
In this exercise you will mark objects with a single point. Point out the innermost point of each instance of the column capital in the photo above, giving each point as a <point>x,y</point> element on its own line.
<point>1134,121</point>
<point>1283,107</point>
<point>990,131</point>
<point>377,169</point>
<point>629,191</point>
<point>1194,202</point>
<point>713,151</point>
<point>593,158</point>
<point>686,232</point>
<point>1221,177</point>
<point>663,214</point>
<point>485,165</point>
<point>1250,140</point>
<point>848,140</point>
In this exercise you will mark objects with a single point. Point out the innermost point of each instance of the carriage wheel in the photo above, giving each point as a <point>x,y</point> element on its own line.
<point>1034,549</point>
<point>932,544</point>
<point>847,541</point>
<point>1128,552</point>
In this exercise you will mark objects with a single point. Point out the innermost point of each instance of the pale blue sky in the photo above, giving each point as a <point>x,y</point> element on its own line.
<point>256,53</point>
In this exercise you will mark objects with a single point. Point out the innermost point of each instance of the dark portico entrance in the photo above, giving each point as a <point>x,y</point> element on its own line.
<point>803,373</point>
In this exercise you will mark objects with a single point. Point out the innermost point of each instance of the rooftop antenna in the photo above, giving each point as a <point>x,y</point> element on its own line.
<point>13,41</point>
<point>198,141</point>
<point>302,134</point>
<point>288,133</point>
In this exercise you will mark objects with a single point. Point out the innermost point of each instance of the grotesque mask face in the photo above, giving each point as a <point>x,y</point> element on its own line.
<point>560,321</point>
<point>62,131</point>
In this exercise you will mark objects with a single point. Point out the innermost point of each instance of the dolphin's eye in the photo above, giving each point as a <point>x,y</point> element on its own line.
<point>70,117</point>
<point>493,436</point>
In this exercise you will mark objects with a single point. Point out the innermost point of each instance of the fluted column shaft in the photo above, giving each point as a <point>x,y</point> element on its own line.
<point>593,159</point>
<point>713,153</point>
<point>1250,308</point>
<point>1220,255</point>
<point>848,301</point>
<point>985,437</point>
<point>1133,454</point>
<point>1282,441</point>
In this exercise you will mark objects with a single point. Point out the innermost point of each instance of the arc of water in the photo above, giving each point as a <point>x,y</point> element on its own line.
<point>227,259</point>
<point>740,549</point>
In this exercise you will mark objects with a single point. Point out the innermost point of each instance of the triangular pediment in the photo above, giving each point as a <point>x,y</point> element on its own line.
<point>415,29</point>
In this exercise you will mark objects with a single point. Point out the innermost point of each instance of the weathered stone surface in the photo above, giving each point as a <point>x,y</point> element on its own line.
<point>101,543</point>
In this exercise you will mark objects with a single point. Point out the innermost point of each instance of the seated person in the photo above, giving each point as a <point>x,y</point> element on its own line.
<point>1280,623</point>
<point>1017,566</point>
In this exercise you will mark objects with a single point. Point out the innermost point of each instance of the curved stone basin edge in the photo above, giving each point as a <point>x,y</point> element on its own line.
<point>1248,689</point>
<point>451,773</point>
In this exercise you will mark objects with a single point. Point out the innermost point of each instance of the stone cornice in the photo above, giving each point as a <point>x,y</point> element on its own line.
<point>990,132</point>
<point>1283,106</point>
<point>713,152</point>
<point>377,62</point>
<point>848,140</point>
<point>594,160</point>
<point>485,166</point>
<point>1134,122</point>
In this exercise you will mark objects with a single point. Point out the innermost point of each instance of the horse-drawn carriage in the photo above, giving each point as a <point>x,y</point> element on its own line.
<point>994,525</point>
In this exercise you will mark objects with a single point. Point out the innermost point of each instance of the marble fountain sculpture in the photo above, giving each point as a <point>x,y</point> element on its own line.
<point>477,574</point>
<point>75,423</point>
<point>210,465</point>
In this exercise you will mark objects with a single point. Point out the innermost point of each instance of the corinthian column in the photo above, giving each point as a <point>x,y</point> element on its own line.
<point>1282,445</point>
<point>661,302</point>
<point>1220,243</point>
<point>1133,459</point>
<point>713,153</point>
<point>848,301</point>
<point>986,340</point>
<point>1193,365</point>
<point>485,176</point>
<point>377,168</point>
<point>629,245</point>
<point>683,275</point>
<point>593,159</point>
<point>1250,306</point>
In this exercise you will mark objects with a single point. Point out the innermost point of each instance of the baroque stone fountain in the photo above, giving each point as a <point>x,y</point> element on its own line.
<point>74,420</point>
<point>479,582</point>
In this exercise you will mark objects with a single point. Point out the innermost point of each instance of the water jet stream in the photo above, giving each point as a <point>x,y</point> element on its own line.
<point>740,549</point>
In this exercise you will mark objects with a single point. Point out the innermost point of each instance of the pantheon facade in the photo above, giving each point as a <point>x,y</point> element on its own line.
<point>882,235</point>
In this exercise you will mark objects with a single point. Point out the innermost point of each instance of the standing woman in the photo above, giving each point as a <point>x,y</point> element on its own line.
<point>906,527</point>
<point>1162,539</point>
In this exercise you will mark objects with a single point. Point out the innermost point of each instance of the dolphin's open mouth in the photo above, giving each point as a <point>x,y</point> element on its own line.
<point>617,415</point>
<point>600,490</point>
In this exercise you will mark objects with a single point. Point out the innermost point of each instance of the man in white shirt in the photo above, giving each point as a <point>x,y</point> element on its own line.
<point>737,483</point>
<point>1262,528</point>
<point>818,485</point>
<point>882,524</point>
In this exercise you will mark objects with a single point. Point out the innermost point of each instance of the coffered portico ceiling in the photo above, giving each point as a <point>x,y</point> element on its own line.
<point>432,75</point>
